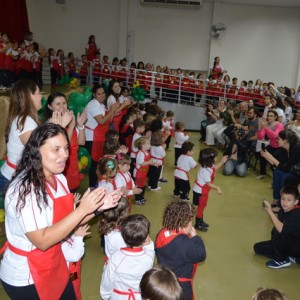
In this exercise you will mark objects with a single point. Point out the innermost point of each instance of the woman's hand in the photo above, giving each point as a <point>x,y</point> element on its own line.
<point>81,118</point>
<point>67,118</point>
<point>92,200</point>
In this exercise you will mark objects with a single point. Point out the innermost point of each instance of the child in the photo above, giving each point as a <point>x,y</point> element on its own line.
<point>143,162</point>
<point>160,283</point>
<point>177,245</point>
<point>168,127</point>
<point>83,72</point>
<point>109,226</point>
<point>269,294</point>
<point>180,138</point>
<point>185,164</point>
<point>54,66</point>
<point>126,266</point>
<point>157,153</point>
<point>204,182</point>
<point>107,168</point>
<point>284,246</point>
<point>123,177</point>
<point>73,250</point>
<point>127,130</point>
<point>139,128</point>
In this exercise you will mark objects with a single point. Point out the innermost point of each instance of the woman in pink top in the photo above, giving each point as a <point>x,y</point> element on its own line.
<point>270,128</point>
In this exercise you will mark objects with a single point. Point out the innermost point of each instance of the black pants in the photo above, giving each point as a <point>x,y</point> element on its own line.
<point>167,142</point>
<point>140,196</point>
<point>29,292</point>
<point>263,162</point>
<point>93,178</point>
<point>279,248</point>
<point>153,176</point>
<point>178,152</point>
<point>182,188</point>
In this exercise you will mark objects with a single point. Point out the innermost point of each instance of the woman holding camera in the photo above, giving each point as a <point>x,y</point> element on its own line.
<point>270,128</point>
<point>283,160</point>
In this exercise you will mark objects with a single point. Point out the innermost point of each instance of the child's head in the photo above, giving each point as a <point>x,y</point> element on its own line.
<point>125,91</point>
<point>124,162</point>
<point>289,197</point>
<point>178,215</point>
<point>107,167</point>
<point>187,148</point>
<point>113,217</point>
<point>135,230</point>
<point>139,126</point>
<point>110,146</point>
<point>170,114</point>
<point>160,283</point>
<point>179,126</point>
<point>142,143</point>
<point>269,294</point>
<point>156,138</point>
<point>83,58</point>
<point>207,157</point>
<point>112,134</point>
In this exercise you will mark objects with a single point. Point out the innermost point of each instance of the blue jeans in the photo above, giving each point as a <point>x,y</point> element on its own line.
<point>3,184</point>
<point>232,165</point>
<point>278,182</point>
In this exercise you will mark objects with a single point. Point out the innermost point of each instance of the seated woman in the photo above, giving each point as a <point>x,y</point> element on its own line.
<point>283,160</point>
<point>39,214</point>
<point>211,118</point>
<point>271,129</point>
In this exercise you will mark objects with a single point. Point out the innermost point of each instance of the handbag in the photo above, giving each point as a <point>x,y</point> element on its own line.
<point>295,169</point>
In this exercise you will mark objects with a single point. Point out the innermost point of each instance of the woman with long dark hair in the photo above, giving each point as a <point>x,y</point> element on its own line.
<point>39,215</point>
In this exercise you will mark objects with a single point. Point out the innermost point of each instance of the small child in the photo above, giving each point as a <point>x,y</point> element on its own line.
<point>143,161</point>
<point>139,128</point>
<point>107,169</point>
<point>160,283</point>
<point>109,226</point>
<point>269,294</point>
<point>204,182</point>
<point>126,266</point>
<point>180,138</point>
<point>157,153</point>
<point>123,177</point>
<point>284,246</point>
<point>73,250</point>
<point>184,165</point>
<point>177,245</point>
<point>168,127</point>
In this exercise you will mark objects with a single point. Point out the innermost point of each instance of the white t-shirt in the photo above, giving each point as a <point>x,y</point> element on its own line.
<point>122,179</point>
<point>186,163</point>
<point>134,150</point>
<point>157,154</point>
<point>203,177</point>
<point>281,113</point>
<point>113,242</point>
<point>73,248</point>
<point>106,184</point>
<point>180,138</point>
<point>289,113</point>
<point>14,146</point>
<point>14,269</point>
<point>94,108</point>
<point>110,101</point>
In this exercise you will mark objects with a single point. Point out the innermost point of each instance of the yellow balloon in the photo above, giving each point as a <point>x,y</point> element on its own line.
<point>84,160</point>
<point>2,215</point>
<point>79,166</point>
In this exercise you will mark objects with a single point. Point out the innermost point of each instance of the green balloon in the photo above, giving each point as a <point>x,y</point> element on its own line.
<point>44,102</point>
<point>72,107</point>
<point>87,97</point>
<point>87,88</point>
<point>61,82</point>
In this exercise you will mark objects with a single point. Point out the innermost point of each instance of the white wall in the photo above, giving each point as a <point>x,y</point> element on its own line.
<point>260,41</point>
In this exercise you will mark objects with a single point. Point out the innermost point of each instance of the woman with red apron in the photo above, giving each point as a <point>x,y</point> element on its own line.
<point>40,217</point>
<point>98,121</point>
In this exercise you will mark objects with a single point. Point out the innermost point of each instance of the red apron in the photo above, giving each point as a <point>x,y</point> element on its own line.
<point>204,195</point>
<point>141,173</point>
<point>98,139</point>
<point>71,170</point>
<point>75,276</point>
<point>129,186</point>
<point>48,268</point>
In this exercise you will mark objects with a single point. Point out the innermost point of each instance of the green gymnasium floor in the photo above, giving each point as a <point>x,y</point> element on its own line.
<point>237,220</point>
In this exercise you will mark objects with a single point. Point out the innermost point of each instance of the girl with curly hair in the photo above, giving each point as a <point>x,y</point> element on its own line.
<point>177,245</point>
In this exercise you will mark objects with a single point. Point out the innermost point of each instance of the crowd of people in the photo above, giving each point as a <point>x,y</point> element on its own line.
<point>46,220</point>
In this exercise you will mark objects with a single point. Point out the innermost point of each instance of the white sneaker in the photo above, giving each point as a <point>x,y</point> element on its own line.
<point>259,177</point>
<point>157,189</point>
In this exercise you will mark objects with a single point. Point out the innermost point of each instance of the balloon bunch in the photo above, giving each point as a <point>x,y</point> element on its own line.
<point>84,161</point>
<point>65,80</point>
<point>78,101</point>
<point>138,93</point>
<point>74,83</point>
<point>105,84</point>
